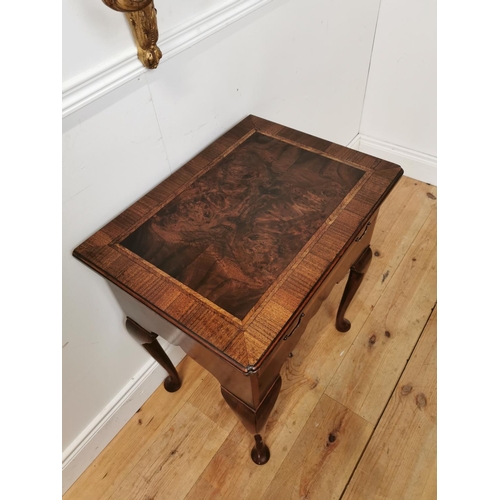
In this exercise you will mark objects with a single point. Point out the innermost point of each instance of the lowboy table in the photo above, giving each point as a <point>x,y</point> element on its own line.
<point>238,248</point>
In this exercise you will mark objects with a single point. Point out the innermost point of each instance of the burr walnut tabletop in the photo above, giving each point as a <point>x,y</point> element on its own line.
<point>237,249</point>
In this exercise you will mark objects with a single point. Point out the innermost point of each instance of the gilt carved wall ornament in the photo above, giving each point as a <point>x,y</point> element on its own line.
<point>142,17</point>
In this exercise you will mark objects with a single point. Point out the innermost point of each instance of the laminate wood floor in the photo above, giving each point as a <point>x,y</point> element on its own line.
<point>356,416</point>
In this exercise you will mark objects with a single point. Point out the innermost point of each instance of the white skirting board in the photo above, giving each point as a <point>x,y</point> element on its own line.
<point>106,425</point>
<point>354,144</point>
<point>420,166</point>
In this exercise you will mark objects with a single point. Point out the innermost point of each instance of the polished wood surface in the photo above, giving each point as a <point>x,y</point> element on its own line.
<point>190,445</point>
<point>246,343</point>
<point>235,229</point>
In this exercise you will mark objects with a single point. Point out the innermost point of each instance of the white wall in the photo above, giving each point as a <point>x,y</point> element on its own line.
<point>400,104</point>
<point>95,36</point>
<point>301,63</point>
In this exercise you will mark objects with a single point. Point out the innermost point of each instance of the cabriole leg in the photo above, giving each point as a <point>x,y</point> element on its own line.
<point>255,420</point>
<point>358,270</point>
<point>148,341</point>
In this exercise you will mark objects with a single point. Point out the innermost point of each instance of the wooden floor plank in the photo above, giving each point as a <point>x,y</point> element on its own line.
<point>374,363</point>
<point>324,455</point>
<point>400,460</point>
<point>175,460</point>
<point>114,463</point>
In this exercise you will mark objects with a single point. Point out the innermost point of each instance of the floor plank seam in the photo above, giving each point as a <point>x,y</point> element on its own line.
<point>341,404</point>
<point>386,404</point>
<point>206,466</point>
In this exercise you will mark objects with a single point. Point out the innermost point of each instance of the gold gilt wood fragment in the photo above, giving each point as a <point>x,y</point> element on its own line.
<point>142,17</point>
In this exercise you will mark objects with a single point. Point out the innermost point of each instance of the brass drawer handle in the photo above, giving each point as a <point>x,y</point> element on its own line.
<point>296,326</point>
<point>366,229</point>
